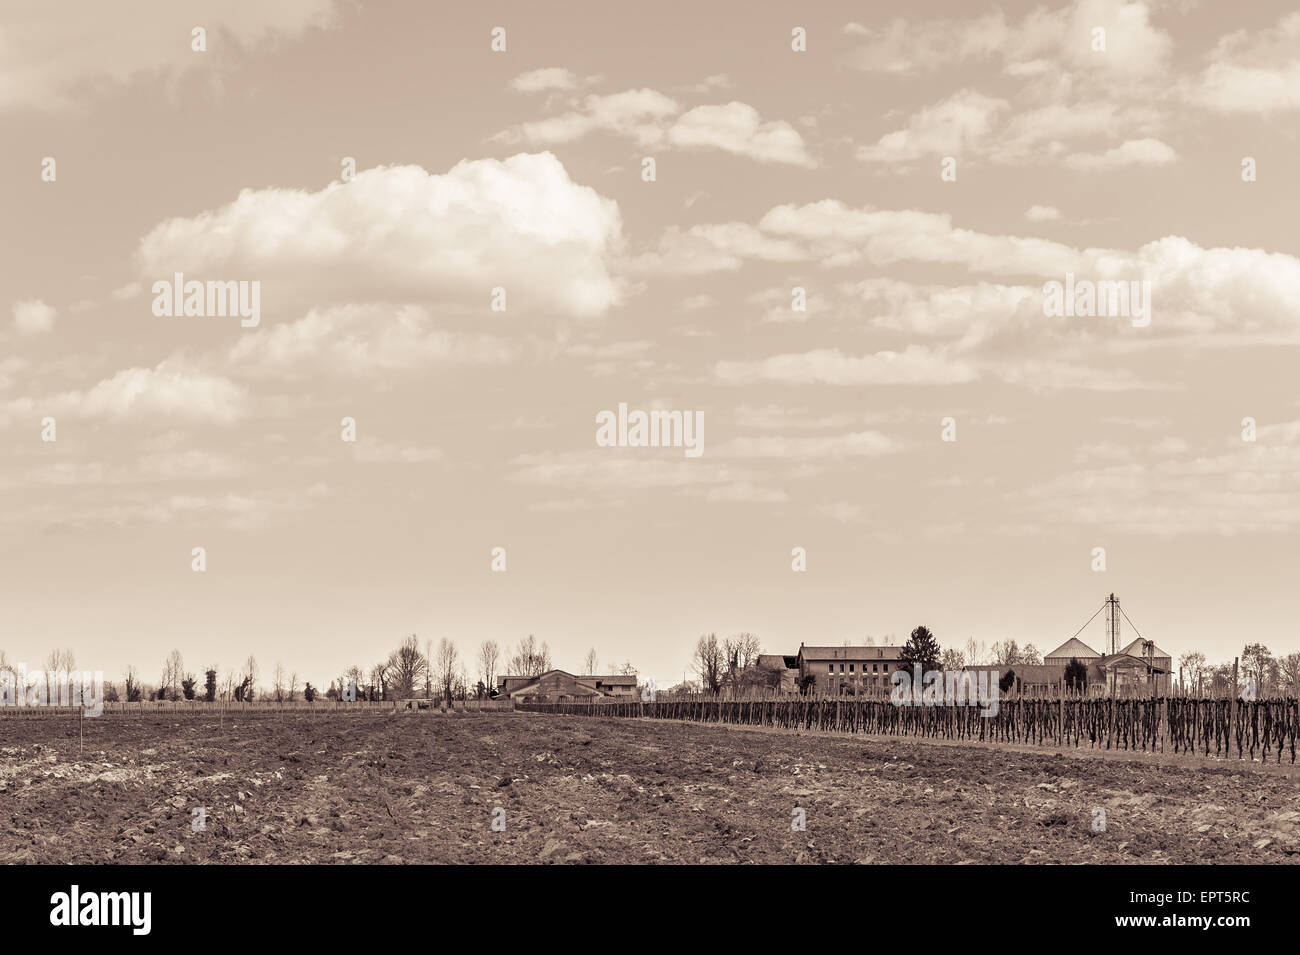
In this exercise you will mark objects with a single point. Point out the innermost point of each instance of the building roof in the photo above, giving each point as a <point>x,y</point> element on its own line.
<point>1126,661</point>
<point>1134,649</point>
<point>850,653</point>
<point>611,679</point>
<point>1026,672</point>
<point>586,683</point>
<point>1074,647</point>
<point>778,661</point>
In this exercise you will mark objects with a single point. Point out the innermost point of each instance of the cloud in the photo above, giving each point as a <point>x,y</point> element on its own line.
<point>858,444</point>
<point>170,390</point>
<point>33,317</point>
<point>1252,73</point>
<point>736,128</point>
<point>948,128</point>
<point>652,119</point>
<point>547,78</point>
<point>637,114</point>
<point>1134,48</point>
<point>913,366</point>
<point>362,341</point>
<point>1037,213</point>
<point>1134,152</point>
<point>50,61</point>
<point>401,234</point>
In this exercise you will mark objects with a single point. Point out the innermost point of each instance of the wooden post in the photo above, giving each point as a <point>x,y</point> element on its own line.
<point>1232,712</point>
<point>81,728</point>
<point>1060,715</point>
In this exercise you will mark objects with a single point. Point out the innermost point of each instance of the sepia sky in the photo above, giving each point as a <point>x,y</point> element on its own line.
<point>522,169</point>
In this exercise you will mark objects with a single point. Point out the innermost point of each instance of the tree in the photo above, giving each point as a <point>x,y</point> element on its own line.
<point>406,665</point>
<point>922,648</point>
<point>1192,664</point>
<point>1289,671</point>
<point>277,682</point>
<point>1007,681</point>
<point>309,692</point>
<point>1029,656</point>
<point>173,674</point>
<point>57,665</point>
<point>1257,662</point>
<point>187,686</point>
<point>446,666</point>
<point>708,662</point>
<point>590,663</point>
<point>293,686</point>
<point>378,689</point>
<point>250,679</point>
<point>210,684</point>
<point>132,685</point>
<point>488,656</point>
<point>975,652</point>
<point>530,659</point>
<point>1005,653</point>
<point>953,659</point>
<point>1076,675</point>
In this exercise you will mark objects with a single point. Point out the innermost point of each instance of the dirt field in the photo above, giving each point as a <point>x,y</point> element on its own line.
<point>422,788</point>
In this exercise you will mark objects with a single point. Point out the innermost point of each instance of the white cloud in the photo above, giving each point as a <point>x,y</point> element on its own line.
<point>169,390</point>
<point>1134,152</point>
<point>547,78</point>
<point>650,118</point>
<point>1037,213</point>
<point>50,60</point>
<point>638,114</point>
<point>951,127</point>
<point>737,128</point>
<point>913,366</point>
<point>33,317</point>
<point>400,234</point>
<point>1253,73</point>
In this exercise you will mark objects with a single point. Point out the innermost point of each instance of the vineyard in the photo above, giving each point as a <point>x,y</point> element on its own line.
<point>1266,729</point>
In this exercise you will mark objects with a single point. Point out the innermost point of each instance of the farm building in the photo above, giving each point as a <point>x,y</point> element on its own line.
<point>833,670</point>
<point>780,671</point>
<point>559,686</point>
<point>1127,668</point>
<point>1072,649</point>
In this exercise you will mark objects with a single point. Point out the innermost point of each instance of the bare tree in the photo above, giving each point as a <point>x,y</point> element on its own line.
<point>975,652</point>
<point>293,686</point>
<point>251,675</point>
<point>447,667</point>
<point>277,682</point>
<point>1192,665</point>
<point>132,684</point>
<point>590,663</point>
<point>1289,671</point>
<point>709,662</point>
<point>379,682</point>
<point>488,656</point>
<point>530,659</point>
<point>406,665</point>
<point>176,672</point>
<point>58,662</point>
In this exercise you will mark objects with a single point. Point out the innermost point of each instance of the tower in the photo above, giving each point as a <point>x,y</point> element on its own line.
<point>1112,623</point>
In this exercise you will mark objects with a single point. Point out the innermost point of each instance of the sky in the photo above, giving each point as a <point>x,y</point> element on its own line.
<point>922,172</point>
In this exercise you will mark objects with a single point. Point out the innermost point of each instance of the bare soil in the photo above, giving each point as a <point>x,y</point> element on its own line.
<point>422,787</point>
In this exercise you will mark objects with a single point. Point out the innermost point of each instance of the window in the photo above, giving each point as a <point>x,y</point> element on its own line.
<point>832,667</point>
<point>875,668</point>
<point>850,667</point>
<point>886,667</point>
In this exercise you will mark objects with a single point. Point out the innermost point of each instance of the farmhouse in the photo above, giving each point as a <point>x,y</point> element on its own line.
<point>1129,668</point>
<point>559,686</point>
<point>833,670</point>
